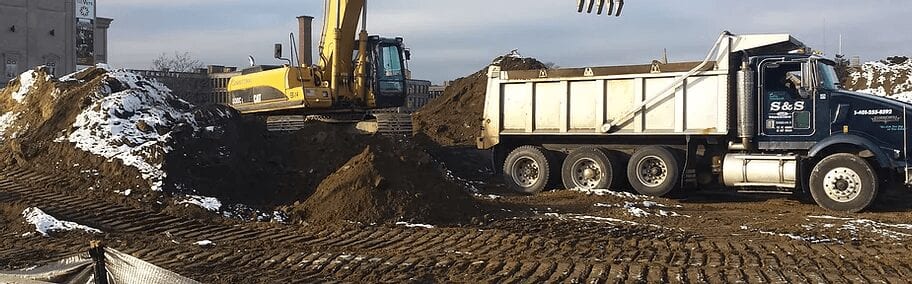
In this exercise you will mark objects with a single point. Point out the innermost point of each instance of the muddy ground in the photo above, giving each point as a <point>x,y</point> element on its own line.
<point>563,235</point>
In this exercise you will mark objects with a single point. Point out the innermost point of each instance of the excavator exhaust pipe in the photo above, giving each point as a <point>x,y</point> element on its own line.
<point>598,7</point>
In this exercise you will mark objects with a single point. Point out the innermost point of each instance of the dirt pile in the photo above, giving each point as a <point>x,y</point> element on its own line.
<point>891,77</point>
<point>455,118</point>
<point>90,124</point>
<point>121,136</point>
<point>385,184</point>
<point>237,161</point>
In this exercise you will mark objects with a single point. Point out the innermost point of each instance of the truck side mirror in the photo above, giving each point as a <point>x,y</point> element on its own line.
<point>408,54</point>
<point>808,80</point>
<point>278,51</point>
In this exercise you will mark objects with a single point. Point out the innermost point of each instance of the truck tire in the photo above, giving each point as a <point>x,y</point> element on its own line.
<point>844,183</point>
<point>590,168</point>
<point>654,171</point>
<point>527,169</point>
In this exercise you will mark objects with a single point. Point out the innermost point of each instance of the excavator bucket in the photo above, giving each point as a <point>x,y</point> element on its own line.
<point>598,7</point>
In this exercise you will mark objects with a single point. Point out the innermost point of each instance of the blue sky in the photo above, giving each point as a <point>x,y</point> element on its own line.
<point>450,39</point>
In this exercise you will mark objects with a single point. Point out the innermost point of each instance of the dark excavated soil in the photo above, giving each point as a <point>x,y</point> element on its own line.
<point>455,118</point>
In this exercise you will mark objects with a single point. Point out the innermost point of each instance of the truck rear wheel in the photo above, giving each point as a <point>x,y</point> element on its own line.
<point>590,168</point>
<point>844,183</point>
<point>654,171</point>
<point>527,169</point>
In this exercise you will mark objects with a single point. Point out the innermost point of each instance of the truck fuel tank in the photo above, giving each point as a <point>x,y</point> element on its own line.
<point>740,170</point>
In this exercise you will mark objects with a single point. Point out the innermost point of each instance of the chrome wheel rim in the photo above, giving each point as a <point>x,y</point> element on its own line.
<point>842,184</point>
<point>652,171</point>
<point>586,173</point>
<point>526,172</point>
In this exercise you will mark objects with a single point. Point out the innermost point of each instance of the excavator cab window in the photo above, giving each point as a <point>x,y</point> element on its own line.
<point>390,73</point>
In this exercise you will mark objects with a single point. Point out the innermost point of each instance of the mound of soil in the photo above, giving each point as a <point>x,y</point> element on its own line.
<point>236,160</point>
<point>131,139</point>
<point>60,126</point>
<point>454,119</point>
<point>891,77</point>
<point>386,184</point>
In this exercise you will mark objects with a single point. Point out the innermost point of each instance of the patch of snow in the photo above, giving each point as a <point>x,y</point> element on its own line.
<point>408,225</point>
<point>6,121</point>
<point>204,243</point>
<point>108,127</point>
<point>856,226</point>
<point>279,217</point>
<point>26,81</point>
<point>45,223</point>
<point>887,78</point>
<point>488,196</point>
<point>608,192</point>
<point>633,209</point>
<point>208,203</point>
<point>810,239</point>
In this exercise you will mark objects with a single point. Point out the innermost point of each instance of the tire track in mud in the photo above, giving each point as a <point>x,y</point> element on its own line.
<point>518,250</point>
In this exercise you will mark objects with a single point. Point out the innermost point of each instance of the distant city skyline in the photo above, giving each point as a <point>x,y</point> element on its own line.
<point>451,39</point>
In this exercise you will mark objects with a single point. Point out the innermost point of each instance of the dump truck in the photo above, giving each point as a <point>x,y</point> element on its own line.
<point>760,112</point>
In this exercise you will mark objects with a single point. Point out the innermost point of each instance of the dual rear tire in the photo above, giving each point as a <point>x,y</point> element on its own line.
<point>653,170</point>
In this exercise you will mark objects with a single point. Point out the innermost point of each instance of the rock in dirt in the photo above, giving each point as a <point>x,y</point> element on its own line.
<point>454,119</point>
<point>386,185</point>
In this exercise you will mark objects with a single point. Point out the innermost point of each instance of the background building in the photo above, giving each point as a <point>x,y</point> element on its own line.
<point>57,33</point>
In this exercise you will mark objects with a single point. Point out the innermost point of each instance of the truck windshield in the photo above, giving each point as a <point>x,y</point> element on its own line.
<point>828,78</point>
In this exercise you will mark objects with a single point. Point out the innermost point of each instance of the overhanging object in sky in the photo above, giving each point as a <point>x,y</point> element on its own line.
<point>598,7</point>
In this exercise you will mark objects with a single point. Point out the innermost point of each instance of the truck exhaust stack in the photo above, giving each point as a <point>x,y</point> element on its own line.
<point>590,5</point>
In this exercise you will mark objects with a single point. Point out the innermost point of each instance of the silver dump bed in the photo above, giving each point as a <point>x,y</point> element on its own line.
<point>690,98</point>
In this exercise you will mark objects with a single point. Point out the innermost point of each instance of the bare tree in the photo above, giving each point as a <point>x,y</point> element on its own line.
<point>551,65</point>
<point>179,62</point>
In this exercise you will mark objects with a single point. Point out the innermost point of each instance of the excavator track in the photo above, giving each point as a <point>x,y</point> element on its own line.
<point>510,251</point>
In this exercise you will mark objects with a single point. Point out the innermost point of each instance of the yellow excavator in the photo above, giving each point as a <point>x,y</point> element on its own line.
<point>351,75</point>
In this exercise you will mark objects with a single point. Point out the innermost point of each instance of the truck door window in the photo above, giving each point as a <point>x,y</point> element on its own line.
<point>786,112</point>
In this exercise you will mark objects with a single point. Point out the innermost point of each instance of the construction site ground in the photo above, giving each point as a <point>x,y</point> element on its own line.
<point>559,236</point>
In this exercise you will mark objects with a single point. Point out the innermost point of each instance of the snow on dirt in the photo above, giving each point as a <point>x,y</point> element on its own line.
<point>891,77</point>
<point>45,223</point>
<point>6,121</point>
<point>26,81</point>
<point>644,209</point>
<point>131,120</point>
<point>608,192</point>
<point>853,227</point>
<point>208,203</point>
<point>410,225</point>
<point>205,243</point>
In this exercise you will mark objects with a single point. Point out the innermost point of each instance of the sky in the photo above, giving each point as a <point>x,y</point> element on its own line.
<point>451,39</point>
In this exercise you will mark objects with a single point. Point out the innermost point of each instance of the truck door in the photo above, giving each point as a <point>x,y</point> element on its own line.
<point>786,112</point>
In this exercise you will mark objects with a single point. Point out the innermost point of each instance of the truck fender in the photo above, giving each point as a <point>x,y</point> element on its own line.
<point>883,160</point>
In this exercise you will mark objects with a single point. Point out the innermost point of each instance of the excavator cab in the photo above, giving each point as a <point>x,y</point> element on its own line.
<point>388,72</point>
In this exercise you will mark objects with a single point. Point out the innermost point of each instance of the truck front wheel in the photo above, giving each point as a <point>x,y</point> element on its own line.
<point>654,171</point>
<point>527,169</point>
<point>844,183</point>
